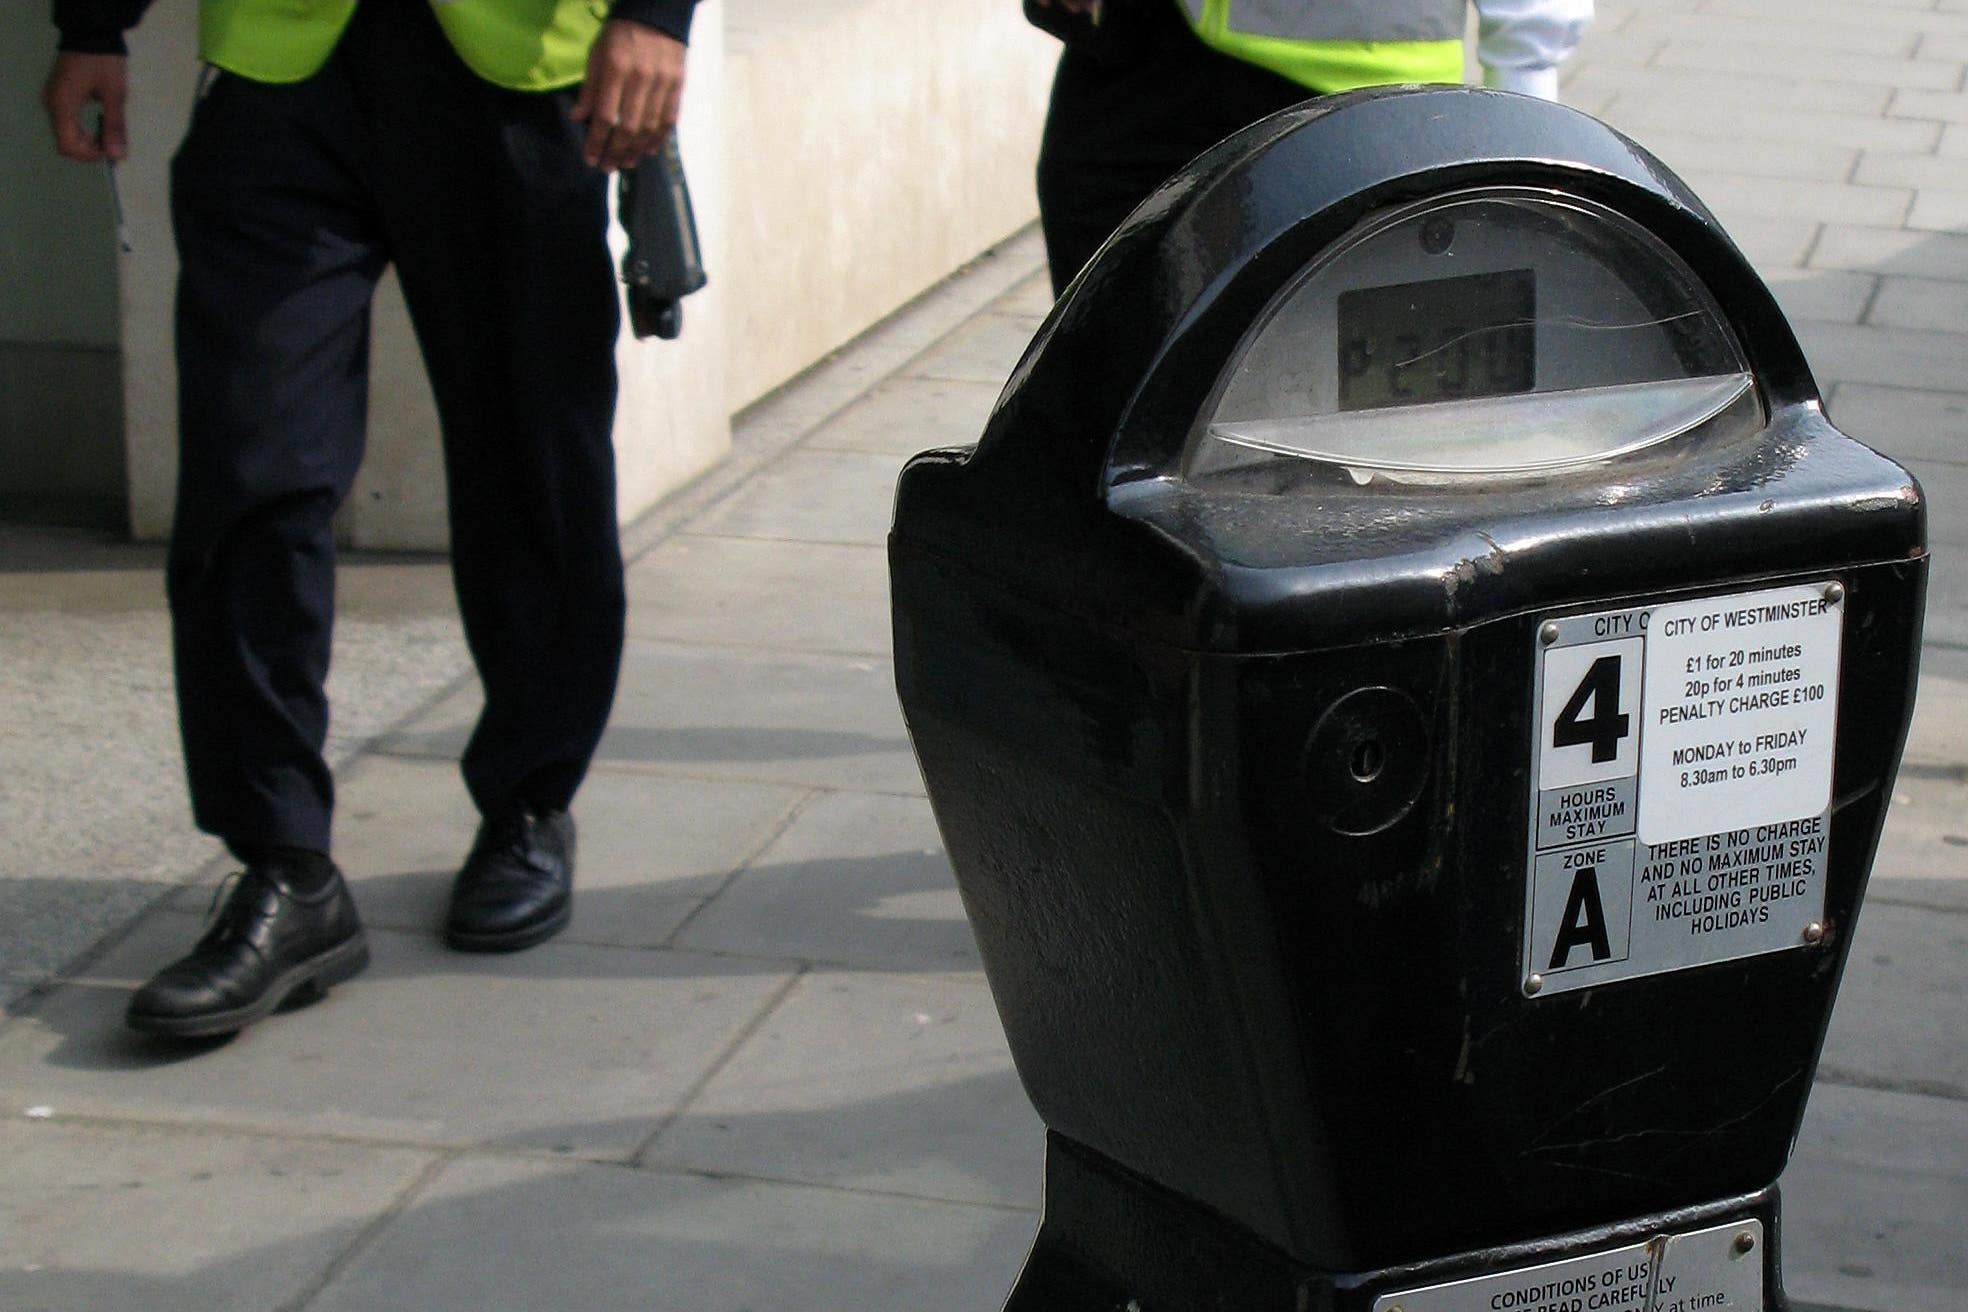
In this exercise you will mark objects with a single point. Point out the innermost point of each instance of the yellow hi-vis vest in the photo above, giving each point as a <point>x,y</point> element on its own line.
<point>1337,45</point>
<point>526,45</point>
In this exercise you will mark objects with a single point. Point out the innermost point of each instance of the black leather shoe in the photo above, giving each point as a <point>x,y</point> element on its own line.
<point>267,945</point>
<point>517,886</point>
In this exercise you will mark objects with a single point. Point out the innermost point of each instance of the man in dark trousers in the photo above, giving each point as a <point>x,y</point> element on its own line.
<point>1144,86</point>
<point>467,143</point>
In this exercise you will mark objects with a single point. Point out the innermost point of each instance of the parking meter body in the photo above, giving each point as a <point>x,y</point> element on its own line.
<point>1410,684</point>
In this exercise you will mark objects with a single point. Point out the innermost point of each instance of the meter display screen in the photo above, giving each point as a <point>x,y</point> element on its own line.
<point>1446,339</point>
<point>1500,333</point>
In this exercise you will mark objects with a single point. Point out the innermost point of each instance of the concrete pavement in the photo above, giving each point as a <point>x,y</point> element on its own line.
<point>762,1067</point>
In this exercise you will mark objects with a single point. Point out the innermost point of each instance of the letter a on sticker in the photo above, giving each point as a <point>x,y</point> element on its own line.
<point>1584,921</point>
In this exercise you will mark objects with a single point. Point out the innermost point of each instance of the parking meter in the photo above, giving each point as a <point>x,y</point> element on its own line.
<point>1410,683</point>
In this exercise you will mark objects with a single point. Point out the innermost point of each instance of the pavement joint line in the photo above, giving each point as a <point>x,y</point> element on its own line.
<point>639,1156</point>
<point>446,1153</point>
<point>368,1234</point>
<point>661,771</point>
<point>681,775</point>
<point>564,939</point>
<point>1939,1090</point>
<point>841,653</point>
<point>903,1195</point>
<point>797,541</point>
<point>746,861</point>
<point>1878,284</point>
<point>1951,772</point>
<point>700,644</point>
<point>266,1132</point>
<point>1912,904</point>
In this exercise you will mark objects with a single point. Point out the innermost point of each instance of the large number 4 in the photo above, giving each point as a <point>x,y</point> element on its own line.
<point>1601,686</point>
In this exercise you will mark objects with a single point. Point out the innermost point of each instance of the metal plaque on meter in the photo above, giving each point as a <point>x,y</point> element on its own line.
<point>1681,771</point>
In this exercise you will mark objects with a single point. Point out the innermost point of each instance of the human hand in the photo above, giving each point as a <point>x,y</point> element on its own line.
<point>632,95</point>
<point>75,82</point>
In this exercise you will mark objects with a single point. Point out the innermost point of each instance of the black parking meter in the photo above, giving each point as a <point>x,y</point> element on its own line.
<point>1410,684</point>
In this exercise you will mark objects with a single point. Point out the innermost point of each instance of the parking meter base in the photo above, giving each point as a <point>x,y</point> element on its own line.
<point>1113,1241</point>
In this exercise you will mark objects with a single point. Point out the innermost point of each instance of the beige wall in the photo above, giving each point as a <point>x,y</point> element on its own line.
<point>876,146</point>
<point>843,158</point>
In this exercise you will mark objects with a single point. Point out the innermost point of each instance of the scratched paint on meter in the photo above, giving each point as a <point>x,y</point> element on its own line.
<point>1682,763</point>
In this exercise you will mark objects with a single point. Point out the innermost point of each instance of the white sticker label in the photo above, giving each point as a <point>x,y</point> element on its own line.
<point>1682,761</point>
<point>1741,697</point>
<point>1718,1269</point>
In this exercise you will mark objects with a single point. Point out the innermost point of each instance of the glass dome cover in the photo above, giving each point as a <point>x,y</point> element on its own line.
<point>1499,333</point>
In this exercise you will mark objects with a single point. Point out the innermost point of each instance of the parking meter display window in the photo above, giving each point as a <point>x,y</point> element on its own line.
<point>1488,321</point>
<point>1492,334</point>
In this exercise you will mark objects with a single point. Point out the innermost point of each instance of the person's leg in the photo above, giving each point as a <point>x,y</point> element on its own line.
<point>499,231</point>
<point>1123,118</point>
<point>277,264</point>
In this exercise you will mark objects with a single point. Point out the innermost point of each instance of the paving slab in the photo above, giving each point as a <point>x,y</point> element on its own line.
<point>564,1048</point>
<point>1635,113</point>
<point>1832,295</point>
<point>908,415</point>
<point>811,496</point>
<point>857,879</point>
<point>984,350</point>
<point>726,713</point>
<point>1891,250</point>
<point>1894,357</point>
<point>1950,106</point>
<point>1732,195</point>
<point>97,1217</point>
<point>1797,161</point>
<point>1936,68</point>
<point>1879,168</point>
<point>52,922</point>
<point>1032,298</point>
<point>1770,242</point>
<point>1903,1003</point>
<point>877,1082</point>
<point>1923,855</point>
<point>1909,15</point>
<point>89,698</point>
<point>1936,741</point>
<point>745,592</point>
<point>1772,40</point>
<point>1946,630</point>
<point>1873,1200</point>
<point>651,849</point>
<point>493,1235</point>
<point>1763,88</point>
<point>1945,485</point>
<point>1907,423</point>
<point>1940,211</point>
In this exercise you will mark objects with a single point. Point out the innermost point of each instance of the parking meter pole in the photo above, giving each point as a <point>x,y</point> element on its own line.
<point>1410,681</point>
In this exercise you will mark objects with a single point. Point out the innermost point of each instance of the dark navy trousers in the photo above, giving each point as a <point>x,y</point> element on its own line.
<point>287,203</point>
<point>1131,103</point>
